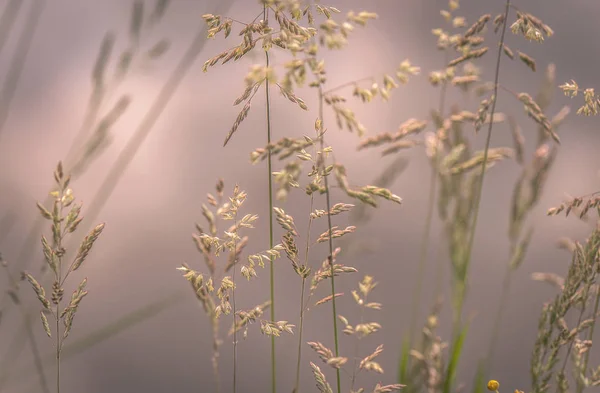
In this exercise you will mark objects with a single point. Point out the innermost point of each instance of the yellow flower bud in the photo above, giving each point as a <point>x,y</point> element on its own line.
<point>493,385</point>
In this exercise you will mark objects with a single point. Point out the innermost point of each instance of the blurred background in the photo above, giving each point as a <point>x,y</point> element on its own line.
<point>141,328</point>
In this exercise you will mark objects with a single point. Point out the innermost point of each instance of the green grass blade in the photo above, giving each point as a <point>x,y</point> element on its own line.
<point>479,381</point>
<point>404,376</point>
<point>457,347</point>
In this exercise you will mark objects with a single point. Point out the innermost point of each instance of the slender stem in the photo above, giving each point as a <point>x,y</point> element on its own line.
<point>215,357</point>
<point>271,242</point>
<point>59,246</point>
<point>570,348</point>
<point>461,297</point>
<point>57,347</point>
<point>351,83</point>
<point>330,240</point>
<point>356,347</point>
<point>586,356</point>
<point>299,358</point>
<point>302,308</point>
<point>487,141</point>
<point>487,146</point>
<point>234,268</point>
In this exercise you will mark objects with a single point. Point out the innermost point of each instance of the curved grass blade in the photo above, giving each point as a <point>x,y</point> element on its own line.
<point>454,359</point>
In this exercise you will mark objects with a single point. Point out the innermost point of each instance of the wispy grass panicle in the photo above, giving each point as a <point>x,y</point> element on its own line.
<point>54,255</point>
<point>84,149</point>
<point>576,291</point>
<point>216,291</point>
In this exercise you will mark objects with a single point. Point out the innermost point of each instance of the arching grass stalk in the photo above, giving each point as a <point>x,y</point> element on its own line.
<point>459,332</point>
<point>271,242</point>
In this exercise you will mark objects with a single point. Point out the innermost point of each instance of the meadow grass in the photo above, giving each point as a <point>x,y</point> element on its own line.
<point>300,33</point>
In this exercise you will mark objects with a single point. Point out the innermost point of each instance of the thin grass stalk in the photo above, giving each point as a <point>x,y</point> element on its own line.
<point>487,146</point>
<point>570,347</point>
<point>215,361</point>
<point>58,343</point>
<point>300,328</point>
<point>215,331</point>
<point>123,160</point>
<point>586,356</point>
<point>234,268</point>
<point>457,336</point>
<point>302,307</point>
<point>321,164</point>
<point>271,242</point>
<point>356,349</point>
<point>18,61</point>
<point>57,348</point>
<point>330,241</point>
